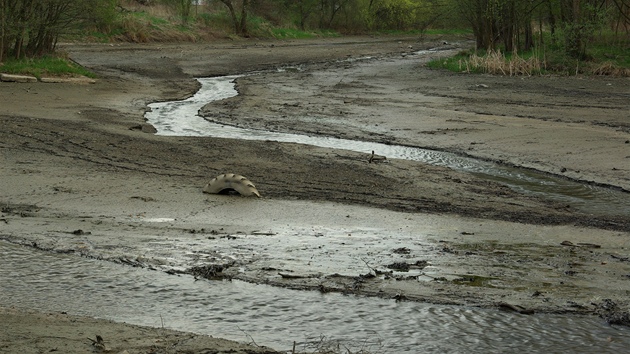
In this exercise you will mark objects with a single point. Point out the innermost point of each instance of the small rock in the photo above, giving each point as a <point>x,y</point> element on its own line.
<point>148,128</point>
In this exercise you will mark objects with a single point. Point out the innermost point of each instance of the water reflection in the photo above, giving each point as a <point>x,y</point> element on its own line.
<point>277,317</point>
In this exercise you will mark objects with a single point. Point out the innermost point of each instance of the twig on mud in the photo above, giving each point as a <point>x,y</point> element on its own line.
<point>248,336</point>
<point>373,270</point>
<point>620,258</point>
<point>99,343</point>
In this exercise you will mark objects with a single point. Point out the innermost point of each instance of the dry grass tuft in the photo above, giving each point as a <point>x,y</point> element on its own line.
<point>139,30</point>
<point>610,69</point>
<point>134,31</point>
<point>328,346</point>
<point>495,62</point>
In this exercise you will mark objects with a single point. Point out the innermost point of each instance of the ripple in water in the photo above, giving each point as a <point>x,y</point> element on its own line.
<point>277,317</point>
<point>180,118</point>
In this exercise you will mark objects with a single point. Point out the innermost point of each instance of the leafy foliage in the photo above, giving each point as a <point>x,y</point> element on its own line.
<point>561,33</point>
<point>46,65</point>
<point>32,27</point>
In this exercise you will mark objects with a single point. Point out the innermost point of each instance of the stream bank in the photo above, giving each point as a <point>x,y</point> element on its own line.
<point>80,176</point>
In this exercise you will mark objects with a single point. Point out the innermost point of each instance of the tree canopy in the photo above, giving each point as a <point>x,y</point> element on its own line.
<point>33,27</point>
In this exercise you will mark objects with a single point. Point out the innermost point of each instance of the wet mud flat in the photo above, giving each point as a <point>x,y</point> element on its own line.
<point>83,178</point>
<point>305,245</point>
<point>287,320</point>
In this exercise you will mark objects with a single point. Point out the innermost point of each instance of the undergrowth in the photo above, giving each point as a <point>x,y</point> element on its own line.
<point>44,66</point>
<point>603,60</point>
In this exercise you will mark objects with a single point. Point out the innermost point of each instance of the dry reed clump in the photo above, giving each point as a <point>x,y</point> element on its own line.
<point>610,69</point>
<point>142,31</point>
<point>495,62</point>
<point>156,23</point>
<point>134,31</point>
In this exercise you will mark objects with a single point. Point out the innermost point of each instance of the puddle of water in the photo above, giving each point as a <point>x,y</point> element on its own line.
<point>158,219</point>
<point>277,317</point>
<point>180,118</point>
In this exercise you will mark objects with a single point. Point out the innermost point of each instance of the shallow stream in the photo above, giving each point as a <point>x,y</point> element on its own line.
<point>180,118</point>
<point>277,317</point>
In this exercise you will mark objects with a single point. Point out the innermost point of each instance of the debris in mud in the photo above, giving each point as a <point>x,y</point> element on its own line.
<point>202,231</point>
<point>264,233</point>
<point>131,262</point>
<point>231,182</point>
<point>447,249</point>
<point>515,308</point>
<point>621,259</point>
<point>144,199</point>
<point>399,266</point>
<point>376,158</point>
<point>99,343</point>
<point>402,250</point>
<point>145,128</point>
<point>580,244</point>
<point>400,297</point>
<point>23,210</point>
<point>80,232</point>
<point>611,312</point>
<point>473,280</point>
<point>405,267</point>
<point>62,189</point>
<point>229,237</point>
<point>212,271</point>
<point>298,276</point>
<point>575,305</point>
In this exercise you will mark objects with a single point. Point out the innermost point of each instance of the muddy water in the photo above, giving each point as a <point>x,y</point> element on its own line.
<point>277,317</point>
<point>179,118</point>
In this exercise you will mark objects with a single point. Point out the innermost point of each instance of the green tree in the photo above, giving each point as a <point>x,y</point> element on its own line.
<point>580,19</point>
<point>392,14</point>
<point>32,27</point>
<point>182,7</point>
<point>496,22</point>
<point>239,22</point>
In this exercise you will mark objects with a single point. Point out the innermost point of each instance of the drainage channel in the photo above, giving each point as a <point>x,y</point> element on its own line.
<point>277,317</point>
<point>180,118</point>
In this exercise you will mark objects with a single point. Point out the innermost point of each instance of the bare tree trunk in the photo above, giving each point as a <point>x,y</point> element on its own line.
<point>243,26</point>
<point>3,21</point>
<point>230,7</point>
<point>240,26</point>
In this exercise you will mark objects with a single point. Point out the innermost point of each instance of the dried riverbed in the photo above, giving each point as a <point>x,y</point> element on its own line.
<point>83,174</point>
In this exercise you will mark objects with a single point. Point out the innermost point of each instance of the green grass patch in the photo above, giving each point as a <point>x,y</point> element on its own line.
<point>608,54</point>
<point>156,22</point>
<point>529,63</point>
<point>290,33</point>
<point>44,66</point>
<point>493,62</point>
<point>448,31</point>
<point>430,31</point>
<point>399,32</point>
<point>453,63</point>
<point>216,20</point>
<point>615,53</point>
